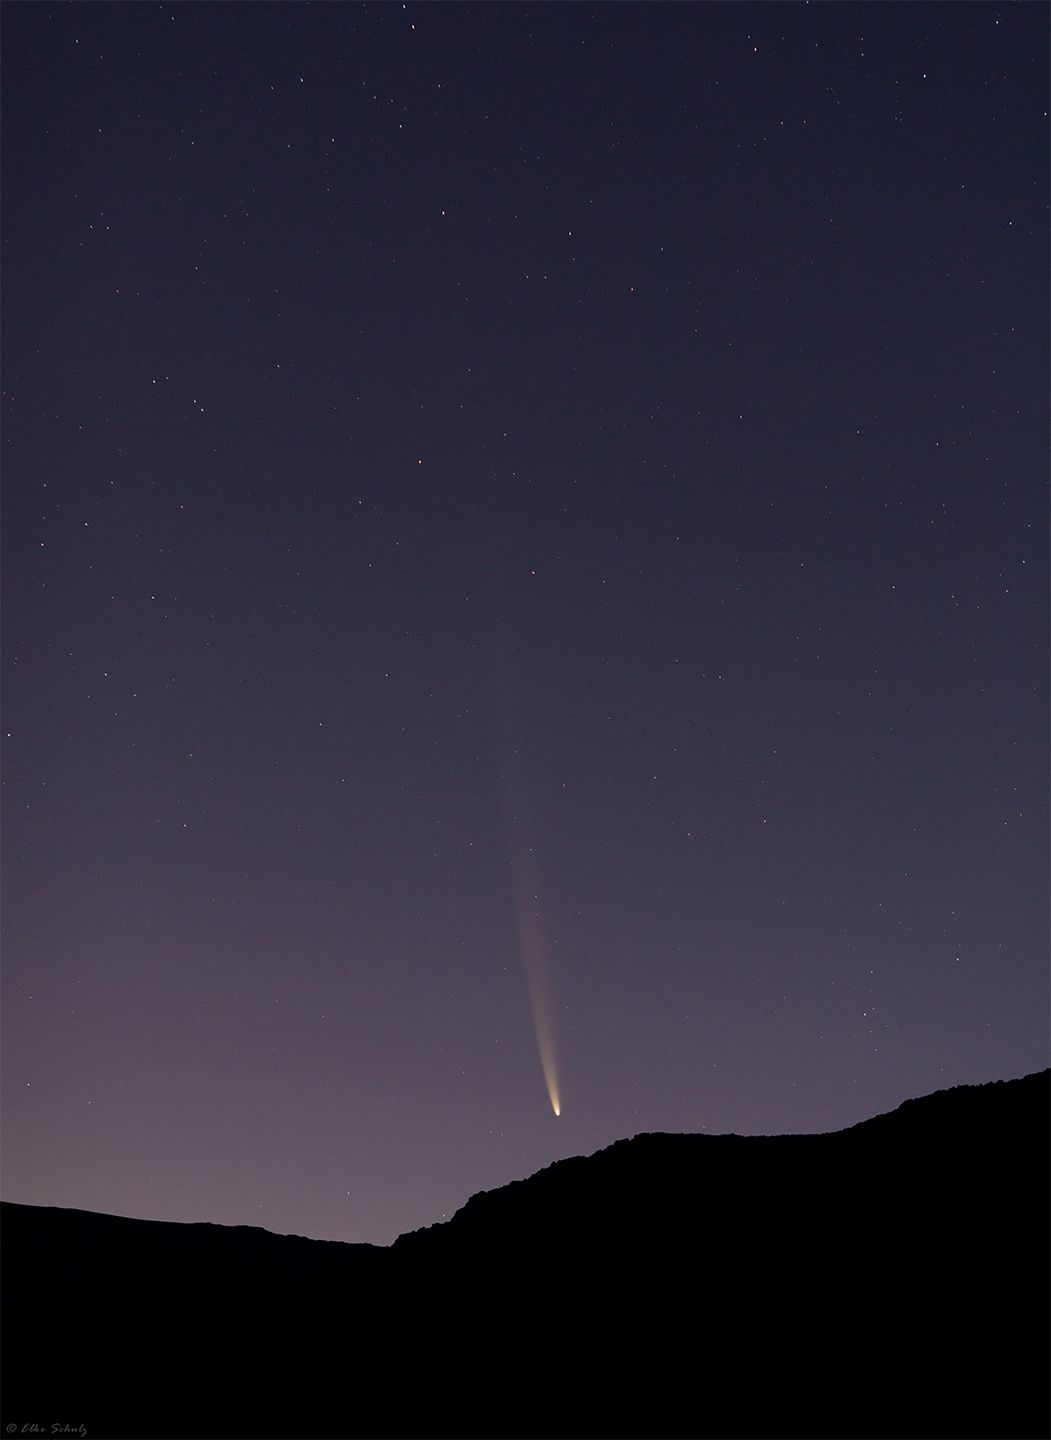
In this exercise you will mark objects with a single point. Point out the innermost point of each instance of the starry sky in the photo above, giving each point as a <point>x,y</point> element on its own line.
<point>525,575</point>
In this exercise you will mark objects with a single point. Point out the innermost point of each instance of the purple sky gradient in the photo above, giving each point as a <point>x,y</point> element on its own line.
<point>466,463</point>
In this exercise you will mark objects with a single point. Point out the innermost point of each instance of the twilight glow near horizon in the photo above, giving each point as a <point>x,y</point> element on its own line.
<point>525,588</point>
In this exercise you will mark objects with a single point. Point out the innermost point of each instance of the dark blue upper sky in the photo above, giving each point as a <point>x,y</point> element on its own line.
<point>507,502</point>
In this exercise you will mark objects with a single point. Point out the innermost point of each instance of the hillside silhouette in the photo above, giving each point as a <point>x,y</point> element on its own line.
<point>886,1280</point>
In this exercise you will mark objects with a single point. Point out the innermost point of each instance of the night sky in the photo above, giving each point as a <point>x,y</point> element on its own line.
<point>522,523</point>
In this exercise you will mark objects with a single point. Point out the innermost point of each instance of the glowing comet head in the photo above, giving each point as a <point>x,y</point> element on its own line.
<point>556,1108</point>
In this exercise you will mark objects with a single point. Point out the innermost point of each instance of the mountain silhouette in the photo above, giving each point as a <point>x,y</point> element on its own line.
<point>886,1280</point>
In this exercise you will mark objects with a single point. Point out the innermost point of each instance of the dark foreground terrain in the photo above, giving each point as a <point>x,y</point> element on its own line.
<point>887,1280</point>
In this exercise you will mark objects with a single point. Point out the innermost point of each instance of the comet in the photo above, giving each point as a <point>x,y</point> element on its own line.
<point>525,885</point>
<point>533,945</point>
